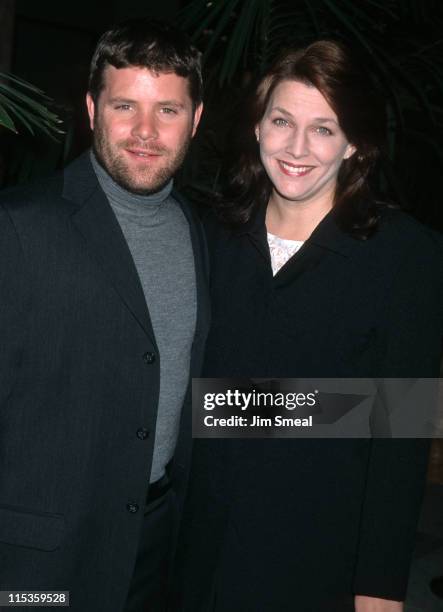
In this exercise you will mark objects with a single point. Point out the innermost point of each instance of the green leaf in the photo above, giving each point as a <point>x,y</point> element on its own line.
<point>263,22</point>
<point>207,15</point>
<point>30,111</point>
<point>432,68</point>
<point>21,118</point>
<point>382,6</point>
<point>6,120</point>
<point>29,119</point>
<point>412,85</point>
<point>349,25</point>
<point>24,84</point>
<point>313,15</point>
<point>193,13</point>
<point>13,93</point>
<point>223,20</point>
<point>351,8</point>
<point>239,42</point>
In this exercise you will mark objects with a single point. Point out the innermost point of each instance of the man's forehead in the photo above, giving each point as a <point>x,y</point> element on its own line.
<point>133,72</point>
<point>141,82</point>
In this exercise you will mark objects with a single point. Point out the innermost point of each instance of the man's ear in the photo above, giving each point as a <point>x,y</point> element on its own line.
<point>197,116</point>
<point>257,133</point>
<point>90,104</point>
<point>349,152</point>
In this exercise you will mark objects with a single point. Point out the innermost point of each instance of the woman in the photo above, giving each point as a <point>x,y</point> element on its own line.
<point>311,277</point>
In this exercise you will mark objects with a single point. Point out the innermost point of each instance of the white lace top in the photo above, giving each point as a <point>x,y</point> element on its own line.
<point>281,250</point>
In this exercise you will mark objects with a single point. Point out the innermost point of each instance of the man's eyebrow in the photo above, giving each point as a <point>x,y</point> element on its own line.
<point>122,101</point>
<point>175,103</point>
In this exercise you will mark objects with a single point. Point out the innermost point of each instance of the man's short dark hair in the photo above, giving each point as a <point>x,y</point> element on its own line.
<point>147,43</point>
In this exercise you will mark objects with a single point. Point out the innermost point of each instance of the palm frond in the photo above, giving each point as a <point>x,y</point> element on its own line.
<point>239,42</point>
<point>5,119</point>
<point>23,104</point>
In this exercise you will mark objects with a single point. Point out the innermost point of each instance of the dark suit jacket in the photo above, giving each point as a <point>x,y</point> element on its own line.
<point>76,388</point>
<point>303,524</point>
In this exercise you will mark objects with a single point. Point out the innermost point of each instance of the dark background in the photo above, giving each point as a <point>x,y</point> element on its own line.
<point>400,41</point>
<point>50,44</point>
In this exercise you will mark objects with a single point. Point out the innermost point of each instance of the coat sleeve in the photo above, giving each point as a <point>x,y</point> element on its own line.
<point>13,305</point>
<point>410,347</point>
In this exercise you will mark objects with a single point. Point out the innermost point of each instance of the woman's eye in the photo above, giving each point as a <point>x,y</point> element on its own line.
<point>324,131</point>
<point>278,121</point>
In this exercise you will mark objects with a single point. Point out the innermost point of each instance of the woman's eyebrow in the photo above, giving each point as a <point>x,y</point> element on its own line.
<point>281,110</point>
<point>284,111</point>
<point>325,120</point>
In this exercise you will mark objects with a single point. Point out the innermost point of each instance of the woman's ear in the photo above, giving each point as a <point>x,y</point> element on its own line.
<point>349,152</point>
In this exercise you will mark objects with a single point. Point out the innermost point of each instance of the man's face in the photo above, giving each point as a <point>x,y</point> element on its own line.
<point>143,123</point>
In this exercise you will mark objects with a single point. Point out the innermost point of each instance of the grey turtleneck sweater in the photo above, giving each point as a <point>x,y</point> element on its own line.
<point>158,237</point>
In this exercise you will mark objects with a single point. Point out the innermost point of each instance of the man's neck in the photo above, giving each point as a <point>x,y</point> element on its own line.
<point>120,195</point>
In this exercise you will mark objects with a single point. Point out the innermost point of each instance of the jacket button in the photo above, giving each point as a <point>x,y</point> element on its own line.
<point>142,433</point>
<point>132,508</point>
<point>149,357</point>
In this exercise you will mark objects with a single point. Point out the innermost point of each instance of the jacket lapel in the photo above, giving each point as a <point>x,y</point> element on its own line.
<point>201,261</point>
<point>327,238</point>
<point>94,218</point>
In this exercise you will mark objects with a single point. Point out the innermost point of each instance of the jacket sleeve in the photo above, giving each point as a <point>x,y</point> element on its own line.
<point>410,347</point>
<point>13,305</point>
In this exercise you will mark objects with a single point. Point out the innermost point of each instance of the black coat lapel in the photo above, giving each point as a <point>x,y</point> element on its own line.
<point>325,239</point>
<point>95,220</point>
<point>201,261</point>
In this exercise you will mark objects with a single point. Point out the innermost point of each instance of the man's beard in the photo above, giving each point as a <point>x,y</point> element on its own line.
<point>146,180</point>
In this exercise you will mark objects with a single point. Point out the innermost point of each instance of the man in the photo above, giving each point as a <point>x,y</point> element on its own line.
<point>103,319</point>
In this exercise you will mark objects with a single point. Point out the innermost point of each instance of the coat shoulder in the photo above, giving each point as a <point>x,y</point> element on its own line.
<point>217,232</point>
<point>33,193</point>
<point>409,260</point>
<point>404,233</point>
<point>403,243</point>
<point>54,194</point>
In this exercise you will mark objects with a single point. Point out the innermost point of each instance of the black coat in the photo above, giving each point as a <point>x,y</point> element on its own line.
<point>302,525</point>
<point>76,391</point>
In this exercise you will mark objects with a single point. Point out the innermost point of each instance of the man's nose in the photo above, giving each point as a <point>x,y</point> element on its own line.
<point>145,126</point>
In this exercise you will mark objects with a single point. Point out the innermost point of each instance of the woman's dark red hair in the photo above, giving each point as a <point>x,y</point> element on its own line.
<point>329,67</point>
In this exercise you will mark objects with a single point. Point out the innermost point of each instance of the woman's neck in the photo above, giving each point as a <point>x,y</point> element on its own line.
<point>295,220</point>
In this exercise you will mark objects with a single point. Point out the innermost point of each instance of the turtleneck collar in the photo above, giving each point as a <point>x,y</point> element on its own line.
<point>122,198</point>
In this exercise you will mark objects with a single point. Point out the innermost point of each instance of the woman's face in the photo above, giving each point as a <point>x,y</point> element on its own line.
<point>301,144</point>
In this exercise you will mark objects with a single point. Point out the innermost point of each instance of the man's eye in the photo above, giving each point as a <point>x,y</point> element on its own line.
<point>168,111</point>
<point>280,122</point>
<point>123,107</point>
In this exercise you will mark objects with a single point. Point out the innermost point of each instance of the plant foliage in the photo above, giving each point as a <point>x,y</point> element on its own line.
<point>24,105</point>
<point>399,43</point>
